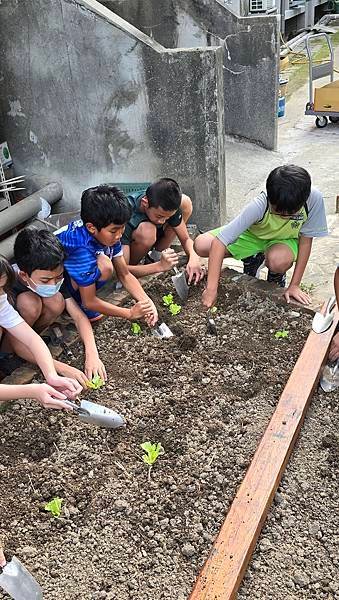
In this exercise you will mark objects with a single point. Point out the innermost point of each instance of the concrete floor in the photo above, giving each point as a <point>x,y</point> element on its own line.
<point>299,142</point>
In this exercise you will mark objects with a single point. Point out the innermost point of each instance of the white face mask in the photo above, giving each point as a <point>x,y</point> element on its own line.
<point>46,290</point>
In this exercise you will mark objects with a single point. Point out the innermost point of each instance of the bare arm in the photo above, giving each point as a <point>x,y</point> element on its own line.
<point>194,268</point>
<point>93,364</point>
<point>293,290</point>
<point>43,358</point>
<point>217,255</point>
<point>168,260</point>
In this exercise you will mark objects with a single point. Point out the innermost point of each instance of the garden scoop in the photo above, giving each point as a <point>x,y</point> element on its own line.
<point>329,380</point>
<point>162,331</point>
<point>323,320</point>
<point>17,581</point>
<point>180,283</point>
<point>97,414</point>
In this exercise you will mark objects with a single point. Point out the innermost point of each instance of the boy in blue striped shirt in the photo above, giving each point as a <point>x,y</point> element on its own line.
<point>93,249</point>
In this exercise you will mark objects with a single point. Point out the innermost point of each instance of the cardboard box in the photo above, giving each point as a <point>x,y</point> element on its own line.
<point>326,98</point>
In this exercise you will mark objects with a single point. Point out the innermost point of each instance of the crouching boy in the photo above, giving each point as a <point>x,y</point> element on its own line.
<point>277,228</point>
<point>41,296</point>
<point>93,252</point>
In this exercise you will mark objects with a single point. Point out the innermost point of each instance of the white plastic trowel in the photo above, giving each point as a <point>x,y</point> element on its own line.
<point>322,321</point>
<point>97,414</point>
<point>17,581</point>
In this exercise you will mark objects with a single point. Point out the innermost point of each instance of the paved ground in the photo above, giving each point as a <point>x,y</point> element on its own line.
<point>302,143</point>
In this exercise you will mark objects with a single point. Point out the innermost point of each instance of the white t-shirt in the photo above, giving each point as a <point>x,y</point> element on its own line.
<point>9,317</point>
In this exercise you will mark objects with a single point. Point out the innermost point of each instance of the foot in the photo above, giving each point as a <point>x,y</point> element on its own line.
<point>253,264</point>
<point>278,278</point>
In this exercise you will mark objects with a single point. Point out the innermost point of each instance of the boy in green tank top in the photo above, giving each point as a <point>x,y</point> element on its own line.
<point>277,228</point>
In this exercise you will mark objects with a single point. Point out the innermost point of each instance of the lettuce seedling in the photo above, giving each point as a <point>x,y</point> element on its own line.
<point>281,334</point>
<point>54,506</point>
<point>168,300</point>
<point>174,309</point>
<point>95,383</point>
<point>153,451</point>
<point>213,310</point>
<point>135,328</point>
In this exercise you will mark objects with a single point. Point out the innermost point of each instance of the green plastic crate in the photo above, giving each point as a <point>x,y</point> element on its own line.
<point>130,188</point>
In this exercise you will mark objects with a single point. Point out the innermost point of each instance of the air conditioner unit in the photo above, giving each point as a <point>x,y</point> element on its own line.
<point>261,5</point>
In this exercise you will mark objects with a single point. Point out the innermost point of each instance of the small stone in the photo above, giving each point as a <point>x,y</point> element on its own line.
<point>188,550</point>
<point>301,579</point>
<point>121,504</point>
<point>314,528</point>
<point>294,313</point>
<point>29,551</point>
<point>205,380</point>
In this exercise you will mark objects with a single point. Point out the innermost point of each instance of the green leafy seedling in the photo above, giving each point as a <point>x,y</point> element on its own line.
<point>279,335</point>
<point>153,451</point>
<point>135,328</point>
<point>213,310</point>
<point>174,309</point>
<point>95,383</point>
<point>54,506</point>
<point>168,300</point>
<point>308,288</point>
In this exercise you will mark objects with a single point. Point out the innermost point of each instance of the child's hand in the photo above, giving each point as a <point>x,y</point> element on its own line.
<point>69,387</point>
<point>334,348</point>
<point>140,309</point>
<point>294,291</point>
<point>195,271</point>
<point>74,373</point>
<point>169,259</point>
<point>47,396</point>
<point>93,367</point>
<point>209,297</point>
<point>152,317</point>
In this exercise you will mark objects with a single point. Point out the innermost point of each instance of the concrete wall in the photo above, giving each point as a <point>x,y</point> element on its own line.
<point>85,101</point>
<point>250,54</point>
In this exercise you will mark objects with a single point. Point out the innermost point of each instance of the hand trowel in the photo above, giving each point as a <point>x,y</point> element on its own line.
<point>162,331</point>
<point>97,414</point>
<point>211,326</point>
<point>329,380</point>
<point>323,320</point>
<point>17,581</point>
<point>180,283</point>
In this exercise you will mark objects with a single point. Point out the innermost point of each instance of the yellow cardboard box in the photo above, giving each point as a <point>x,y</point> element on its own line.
<point>326,98</point>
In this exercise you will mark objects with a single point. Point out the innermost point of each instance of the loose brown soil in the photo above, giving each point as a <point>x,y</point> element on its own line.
<point>208,401</point>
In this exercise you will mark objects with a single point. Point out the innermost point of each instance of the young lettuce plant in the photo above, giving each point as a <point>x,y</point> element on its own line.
<point>174,309</point>
<point>153,451</point>
<point>54,506</point>
<point>135,328</point>
<point>279,335</point>
<point>95,383</point>
<point>168,300</point>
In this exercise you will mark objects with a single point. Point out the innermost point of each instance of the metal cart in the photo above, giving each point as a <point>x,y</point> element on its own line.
<point>325,69</point>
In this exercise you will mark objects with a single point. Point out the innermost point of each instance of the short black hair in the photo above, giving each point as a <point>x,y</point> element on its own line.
<point>165,193</point>
<point>288,188</point>
<point>38,249</point>
<point>104,205</point>
<point>7,270</point>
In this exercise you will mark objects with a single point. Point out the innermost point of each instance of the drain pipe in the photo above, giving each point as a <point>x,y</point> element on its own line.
<point>29,207</point>
<point>25,210</point>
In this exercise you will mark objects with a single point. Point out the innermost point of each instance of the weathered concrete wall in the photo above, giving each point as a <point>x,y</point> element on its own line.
<point>84,102</point>
<point>250,58</point>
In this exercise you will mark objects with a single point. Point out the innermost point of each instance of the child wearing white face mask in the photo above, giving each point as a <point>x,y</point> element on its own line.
<point>40,297</point>
<point>57,389</point>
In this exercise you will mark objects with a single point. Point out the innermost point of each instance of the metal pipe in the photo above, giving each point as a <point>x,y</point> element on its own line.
<point>29,207</point>
<point>7,245</point>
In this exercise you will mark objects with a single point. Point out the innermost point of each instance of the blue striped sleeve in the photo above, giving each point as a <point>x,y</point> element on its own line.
<point>81,265</point>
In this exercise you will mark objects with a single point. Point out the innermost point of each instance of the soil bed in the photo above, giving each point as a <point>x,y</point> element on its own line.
<point>207,400</point>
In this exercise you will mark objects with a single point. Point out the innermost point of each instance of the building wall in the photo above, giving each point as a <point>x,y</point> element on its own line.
<point>86,101</point>
<point>250,54</point>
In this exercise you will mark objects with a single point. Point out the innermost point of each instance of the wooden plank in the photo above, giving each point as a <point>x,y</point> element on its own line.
<point>225,567</point>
